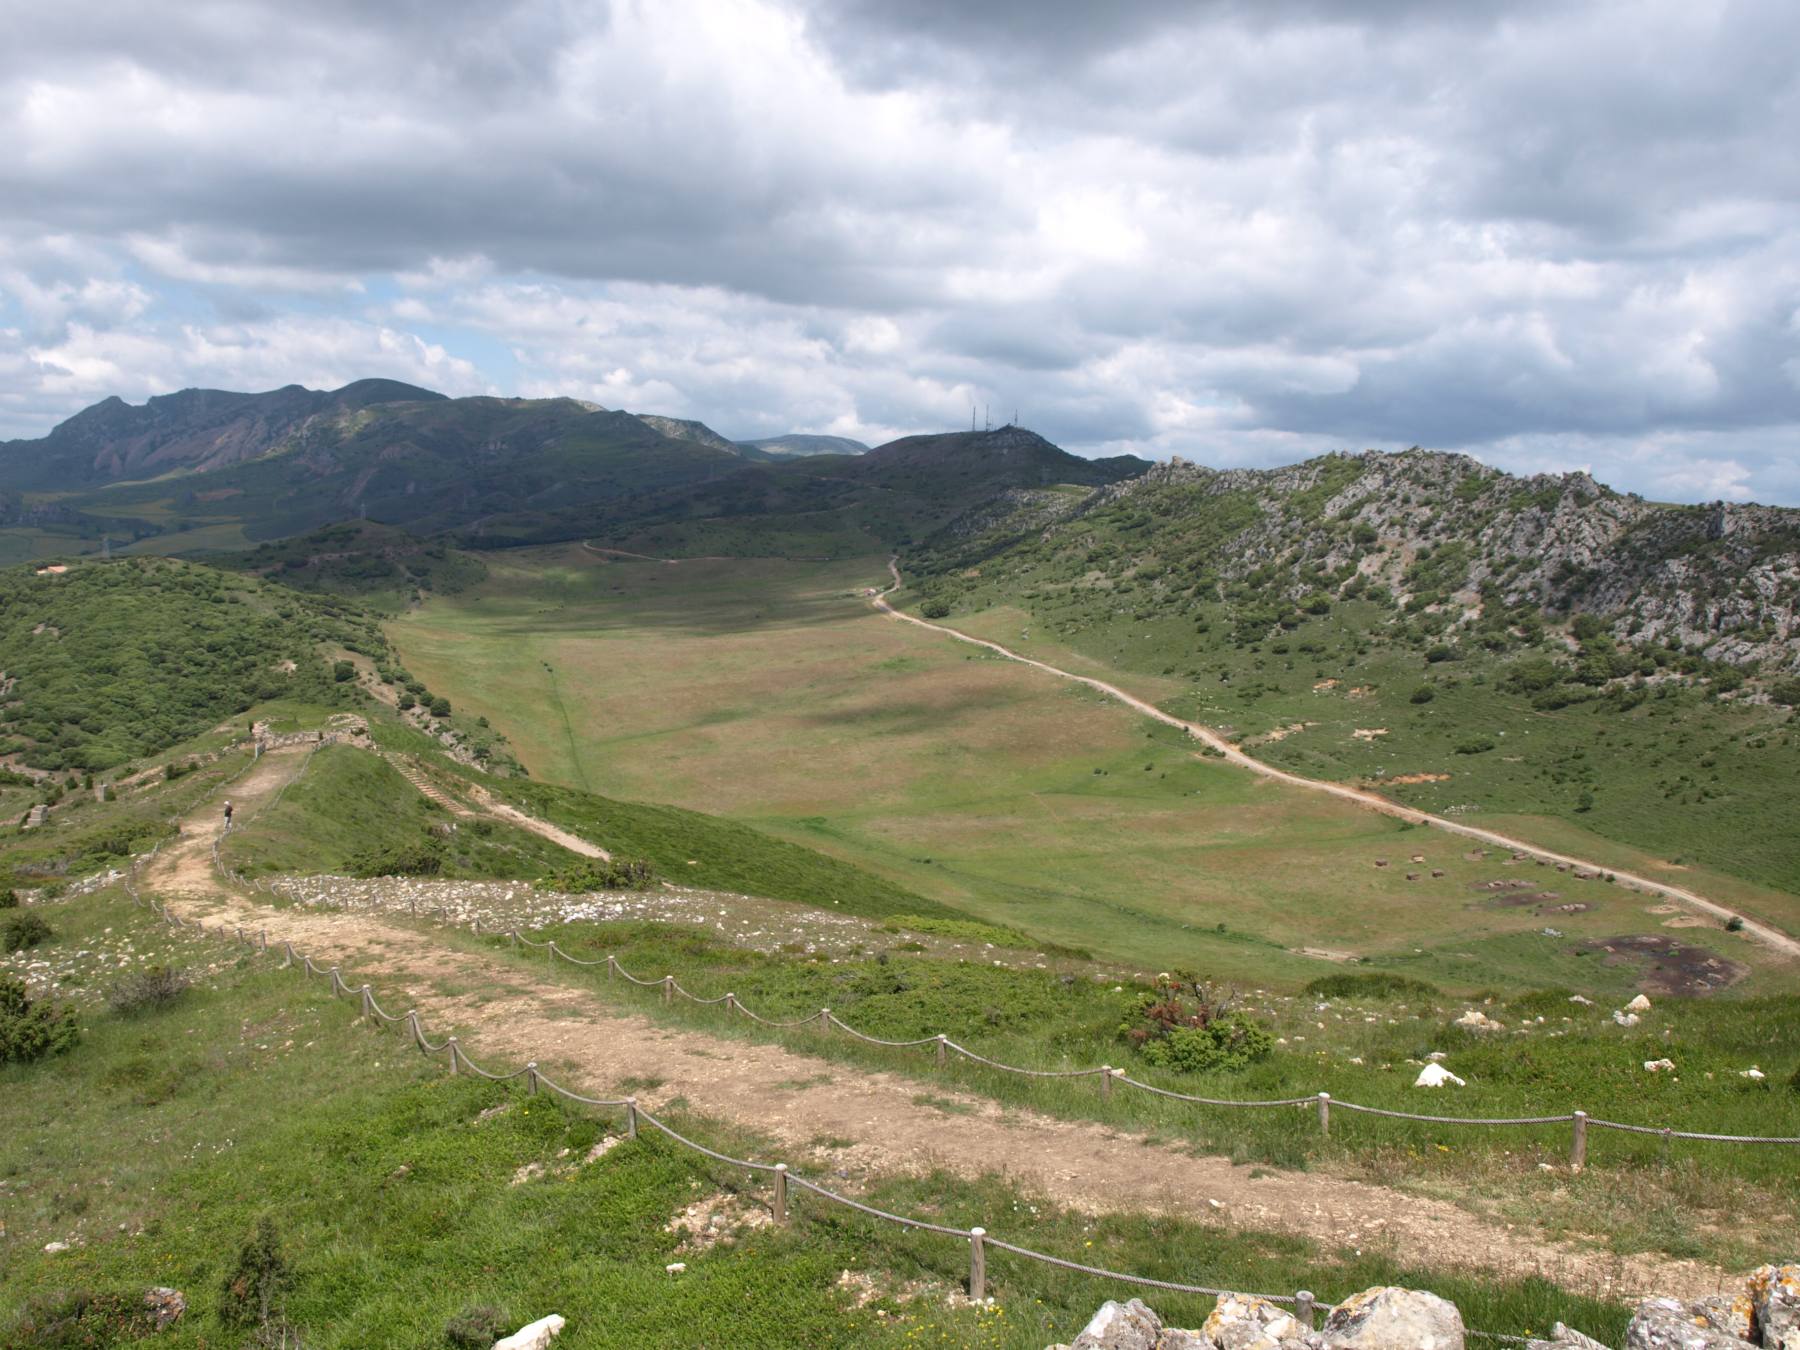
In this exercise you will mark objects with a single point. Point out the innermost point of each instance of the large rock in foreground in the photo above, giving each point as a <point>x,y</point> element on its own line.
<point>1391,1318</point>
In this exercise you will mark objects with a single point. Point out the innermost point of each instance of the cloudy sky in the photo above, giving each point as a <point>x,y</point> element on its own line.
<point>1554,234</point>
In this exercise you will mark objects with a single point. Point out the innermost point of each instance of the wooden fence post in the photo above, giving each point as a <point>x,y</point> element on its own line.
<point>631,1117</point>
<point>780,1192</point>
<point>1578,1143</point>
<point>455,1054</point>
<point>612,966</point>
<point>1324,1113</point>
<point>1106,1082</point>
<point>668,989</point>
<point>824,1019</point>
<point>1303,1308</point>
<point>731,1003</point>
<point>368,1002</point>
<point>531,1076</point>
<point>943,1054</point>
<point>977,1265</point>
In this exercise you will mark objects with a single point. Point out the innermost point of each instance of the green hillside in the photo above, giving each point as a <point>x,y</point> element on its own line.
<point>105,662</point>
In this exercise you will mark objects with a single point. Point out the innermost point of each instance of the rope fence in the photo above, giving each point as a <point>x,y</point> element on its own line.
<point>1580,1122</point>
<point>1305,1306</point>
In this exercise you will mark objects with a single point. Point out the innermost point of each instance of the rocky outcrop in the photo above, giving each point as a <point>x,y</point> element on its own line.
<point>536,1336</point>
<point>1388,1318</point>
<point>1763,1315</point>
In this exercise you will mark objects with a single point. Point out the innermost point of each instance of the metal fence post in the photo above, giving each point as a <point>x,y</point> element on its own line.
<point>1303,1308</point>
<point>977,1265</point>
<point>1106,1082</point>
<point>1578,1142</point>
<point>631,1117</point>
<point>668,989</point>
<point>780,1192</point>
<point>1324,1113</point>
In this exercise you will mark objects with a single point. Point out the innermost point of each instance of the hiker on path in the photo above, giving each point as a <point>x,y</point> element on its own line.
<point>227,815</point>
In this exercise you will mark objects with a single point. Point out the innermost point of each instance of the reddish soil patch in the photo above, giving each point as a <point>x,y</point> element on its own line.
<point>1671,967</point>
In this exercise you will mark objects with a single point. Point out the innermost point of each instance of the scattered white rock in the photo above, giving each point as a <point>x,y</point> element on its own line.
<point>1436,1075</point>
<point>1625,1019</point>
<point>1753,1073</point>
<point>676,1267</point>
<point>1120,1326</point>
<point>1640,1004</point>
<point>1659,1065</point>
<point>1476,1020</point>
<point>55,1247</point>
<point>1245,1322</point>
<point>535,1336</point>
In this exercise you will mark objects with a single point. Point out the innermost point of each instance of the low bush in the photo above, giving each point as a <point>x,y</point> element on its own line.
<point>28,1030</point>
<point>621,874</point>
<point>24,929</point>
<point>252,1293</point>
<point>423,859</point>
<point>476,1328</point>
<point>1191,1028</point>
<point>80,1317</point>
<point>150,989</point>
<point>9,898</point>
<point>1370,984</point>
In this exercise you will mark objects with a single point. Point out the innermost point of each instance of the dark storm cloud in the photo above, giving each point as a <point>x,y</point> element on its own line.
<point>1238,231</point>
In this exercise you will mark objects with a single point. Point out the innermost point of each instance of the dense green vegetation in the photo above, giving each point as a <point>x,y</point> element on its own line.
<point>379,564</point>
<point>398,1216</point>
<point>111,661</point>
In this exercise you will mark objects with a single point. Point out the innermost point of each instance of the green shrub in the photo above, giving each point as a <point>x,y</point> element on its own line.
<point>406,702</point>
<point>1230,1043</point>
<point>28,1030</point>
<point>253,1288</point>
<point>476,1328</point>
<point>423,859</point>
<point>9,898</point>
<point>1188,1027</point>
<point>1369,984</point>
<point>935,609</point>
<point>150,989</point>
<point>23,929</point>
<point>1475,745</point>
<point>343,671</point>
<point>620,874</point>
<point>1423,694</point>
<point>440,706</point>
<point>79,1317</point>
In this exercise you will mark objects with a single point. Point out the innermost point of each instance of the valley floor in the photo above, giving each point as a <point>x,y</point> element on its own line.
<point>874,1123</point>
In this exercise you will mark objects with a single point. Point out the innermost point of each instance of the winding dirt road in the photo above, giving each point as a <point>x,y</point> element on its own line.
<point>829,1118</point>
<point>1766,933</point>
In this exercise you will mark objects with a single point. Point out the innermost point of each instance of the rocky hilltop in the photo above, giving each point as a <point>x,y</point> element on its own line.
<point>1433,532</point>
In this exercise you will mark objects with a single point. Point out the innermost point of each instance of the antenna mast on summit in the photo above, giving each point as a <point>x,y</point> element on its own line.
<point>987,417</point>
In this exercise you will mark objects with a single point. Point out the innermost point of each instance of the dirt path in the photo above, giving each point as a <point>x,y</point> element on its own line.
<point>1766,933</point>
<point>833,1119</point>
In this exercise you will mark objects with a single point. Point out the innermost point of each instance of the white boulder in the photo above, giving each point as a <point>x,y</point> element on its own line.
<point>1670,1324</point>
<point>536,1336</point>
<point>1640,1004</point>
<point>1391,1318</point>
<point>1436,1075</point>
<point>1476,1020</point>
<point>1120,1326</point>
<point>1659,1066</point>
<point>1245,1322</point>
<point>1625,1019</point>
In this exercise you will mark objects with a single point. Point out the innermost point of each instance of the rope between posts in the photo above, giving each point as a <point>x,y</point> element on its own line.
<point>1459,1120</point>
<point>1694,1134</point>
<point>1104,1273</point>
<point>770,1022</point>
<point>877,1040</point>
<point>978,1237</point>
<point>1029,1073</point>
<point>923,1224</point>
<point>1120,1077</point>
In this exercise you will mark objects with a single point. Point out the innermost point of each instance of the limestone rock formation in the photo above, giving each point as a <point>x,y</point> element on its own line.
<point>1388,1318</point>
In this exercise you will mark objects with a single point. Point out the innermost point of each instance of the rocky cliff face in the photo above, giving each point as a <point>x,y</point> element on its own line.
<point>1445,530</point>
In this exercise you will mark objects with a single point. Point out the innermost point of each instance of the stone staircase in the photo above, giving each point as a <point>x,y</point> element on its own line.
<point>412,773</point>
